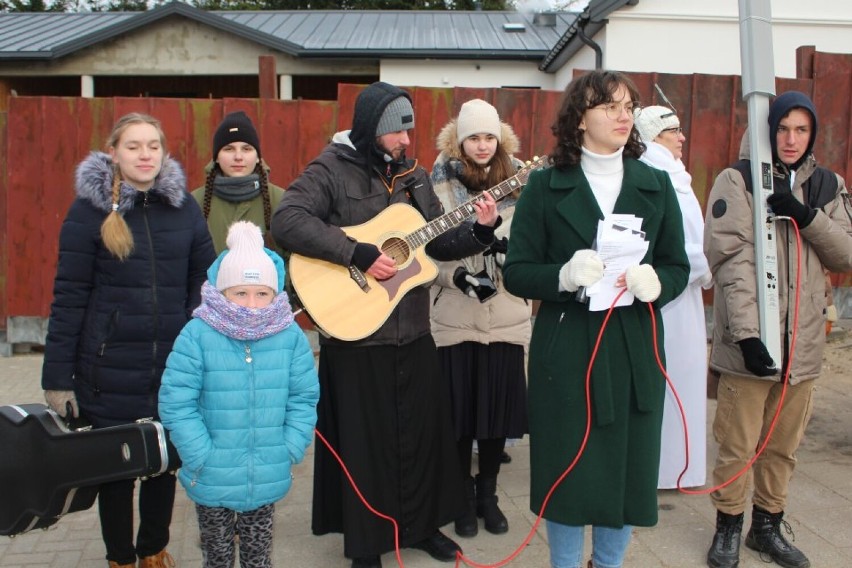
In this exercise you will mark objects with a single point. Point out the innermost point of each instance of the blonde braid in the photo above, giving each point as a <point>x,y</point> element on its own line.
<point>115,233</point>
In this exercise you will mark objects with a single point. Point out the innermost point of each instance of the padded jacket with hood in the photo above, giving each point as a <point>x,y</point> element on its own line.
<point>239,422</point>
<point>113,322</point>
<point>729,246</point>
<point>344,186</point>
<point>456,317</point>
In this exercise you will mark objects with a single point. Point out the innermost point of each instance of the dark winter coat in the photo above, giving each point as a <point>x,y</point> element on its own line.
<point>615,481</point>
<point>112,322</point>
<point>339,189</point>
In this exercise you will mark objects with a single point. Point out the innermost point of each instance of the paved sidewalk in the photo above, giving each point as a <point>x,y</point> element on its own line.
<point>820,508</point>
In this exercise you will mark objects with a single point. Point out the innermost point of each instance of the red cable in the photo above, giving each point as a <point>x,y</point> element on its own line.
<point>785,382</point>
<point>461,558</point>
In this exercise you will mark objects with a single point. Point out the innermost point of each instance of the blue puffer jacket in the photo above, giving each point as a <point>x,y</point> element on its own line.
<point>239,412</point>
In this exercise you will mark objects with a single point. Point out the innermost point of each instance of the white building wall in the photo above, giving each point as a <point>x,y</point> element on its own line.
<point>700,36</point>
<point>464,73</point>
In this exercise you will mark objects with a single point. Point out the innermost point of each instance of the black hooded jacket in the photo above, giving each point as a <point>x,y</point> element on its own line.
<point>343,187</point>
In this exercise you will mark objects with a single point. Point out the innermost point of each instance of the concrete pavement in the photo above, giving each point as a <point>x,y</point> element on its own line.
<point>820,506</point>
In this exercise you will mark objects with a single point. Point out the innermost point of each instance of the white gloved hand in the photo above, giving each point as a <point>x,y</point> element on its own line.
<point>643,282</point>
<point>831,313</point>
<point>584,269</point>
<point>57,400</point>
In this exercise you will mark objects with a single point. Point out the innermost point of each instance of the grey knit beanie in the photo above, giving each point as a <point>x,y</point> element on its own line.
<point>398,115</point>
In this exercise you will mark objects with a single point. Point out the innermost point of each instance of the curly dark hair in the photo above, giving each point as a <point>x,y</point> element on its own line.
<point>584,92</point>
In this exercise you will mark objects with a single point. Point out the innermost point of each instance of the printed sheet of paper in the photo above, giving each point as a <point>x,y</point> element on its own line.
<point>620,243</point>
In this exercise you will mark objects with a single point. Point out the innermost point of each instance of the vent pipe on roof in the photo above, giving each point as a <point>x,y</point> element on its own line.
<point>545,19</point>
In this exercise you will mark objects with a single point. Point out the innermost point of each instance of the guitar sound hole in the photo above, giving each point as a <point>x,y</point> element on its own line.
<point>397,249</point>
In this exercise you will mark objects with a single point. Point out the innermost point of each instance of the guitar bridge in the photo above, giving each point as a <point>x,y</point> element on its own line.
<point>359,278</point>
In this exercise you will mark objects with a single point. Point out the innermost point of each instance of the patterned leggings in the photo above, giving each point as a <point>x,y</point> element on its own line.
<point>218,525</point>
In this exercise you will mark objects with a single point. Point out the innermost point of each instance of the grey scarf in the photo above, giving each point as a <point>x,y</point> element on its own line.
<point>236,188</point>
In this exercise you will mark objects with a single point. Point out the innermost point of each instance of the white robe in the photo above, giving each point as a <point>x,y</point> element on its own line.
<point>685,340</point>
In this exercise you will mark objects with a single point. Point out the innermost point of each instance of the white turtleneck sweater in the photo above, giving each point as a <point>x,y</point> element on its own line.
<point>605,174</point>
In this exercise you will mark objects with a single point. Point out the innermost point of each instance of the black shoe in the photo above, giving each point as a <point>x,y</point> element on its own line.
<point>725,550</point>
<point>486,505</point>
<point>505,457</point>
<point>467,525</point>
<point>367,562</point>
<point>765,537</point>
<point>439,547</point>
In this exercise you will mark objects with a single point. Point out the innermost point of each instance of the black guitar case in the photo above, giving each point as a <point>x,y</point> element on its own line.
<point>48,470</point>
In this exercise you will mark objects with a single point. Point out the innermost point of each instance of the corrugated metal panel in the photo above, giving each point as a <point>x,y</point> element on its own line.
<point>396,32</point>
<point>45,32</point>
<point>307,33</point>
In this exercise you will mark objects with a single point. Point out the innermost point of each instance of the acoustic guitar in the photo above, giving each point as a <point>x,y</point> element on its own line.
<point>349,304</point>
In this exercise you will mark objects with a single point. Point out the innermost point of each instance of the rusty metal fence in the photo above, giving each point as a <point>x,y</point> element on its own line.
<point>43,138</point>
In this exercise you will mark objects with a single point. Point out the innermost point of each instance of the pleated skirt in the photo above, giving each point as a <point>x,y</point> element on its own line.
<point>488,387</point>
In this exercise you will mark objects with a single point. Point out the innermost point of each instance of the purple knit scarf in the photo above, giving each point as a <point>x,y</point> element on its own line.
<point>239,322</point>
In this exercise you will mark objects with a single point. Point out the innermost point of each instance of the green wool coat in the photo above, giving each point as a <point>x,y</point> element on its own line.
<point>615,480</point>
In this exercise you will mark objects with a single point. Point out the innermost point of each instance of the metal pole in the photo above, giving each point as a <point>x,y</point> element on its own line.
<point>758,78</point>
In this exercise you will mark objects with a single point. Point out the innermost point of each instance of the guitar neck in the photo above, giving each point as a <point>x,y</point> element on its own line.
<point>440,225</point>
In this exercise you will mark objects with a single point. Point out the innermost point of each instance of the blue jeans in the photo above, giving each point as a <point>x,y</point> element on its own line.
<point>566,545</point>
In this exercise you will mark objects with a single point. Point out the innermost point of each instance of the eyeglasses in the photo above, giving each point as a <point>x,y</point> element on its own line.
<point>614,110</point>
<point>677,130</point>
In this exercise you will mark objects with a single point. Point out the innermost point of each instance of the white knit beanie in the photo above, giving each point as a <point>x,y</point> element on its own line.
<point>246,263</point>
<point>477,117</point>
<point>654,119</point>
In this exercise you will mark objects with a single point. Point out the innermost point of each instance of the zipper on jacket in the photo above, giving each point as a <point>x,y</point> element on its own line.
<point>154,303</point>
<point>252,393</point>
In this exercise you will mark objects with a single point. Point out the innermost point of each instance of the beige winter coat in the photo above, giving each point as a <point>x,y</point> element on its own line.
<point>455,316</point>
<point>729,246</point>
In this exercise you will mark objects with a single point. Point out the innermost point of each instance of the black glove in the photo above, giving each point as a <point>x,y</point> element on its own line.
<point>464,281</point>
<point>785,203</point>
<point>756,357</point>
<point>485,234</point>
<point>498,248</point>
<point>365,255</point>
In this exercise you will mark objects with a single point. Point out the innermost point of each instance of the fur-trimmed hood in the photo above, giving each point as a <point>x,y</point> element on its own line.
<point>448,144</point>
<point>94,177</point>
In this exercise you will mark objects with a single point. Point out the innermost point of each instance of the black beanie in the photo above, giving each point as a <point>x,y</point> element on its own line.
<point>235,127</point>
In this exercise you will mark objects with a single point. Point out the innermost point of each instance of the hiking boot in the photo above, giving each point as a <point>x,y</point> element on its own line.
<point>765,537</point>
<point>160,560</point>
<point>725,550</point>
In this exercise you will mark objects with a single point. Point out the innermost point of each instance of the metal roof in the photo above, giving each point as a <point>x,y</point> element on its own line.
<point>306,33</point>
<point>592,20</point>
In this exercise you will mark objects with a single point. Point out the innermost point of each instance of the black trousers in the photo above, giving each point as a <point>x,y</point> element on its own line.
<point>115,505</point>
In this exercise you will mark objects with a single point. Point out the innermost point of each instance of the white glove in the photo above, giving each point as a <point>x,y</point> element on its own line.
<point>584,269</point>
<point>643,282</point>
<point>831,313</point>
<point>57,401</point>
